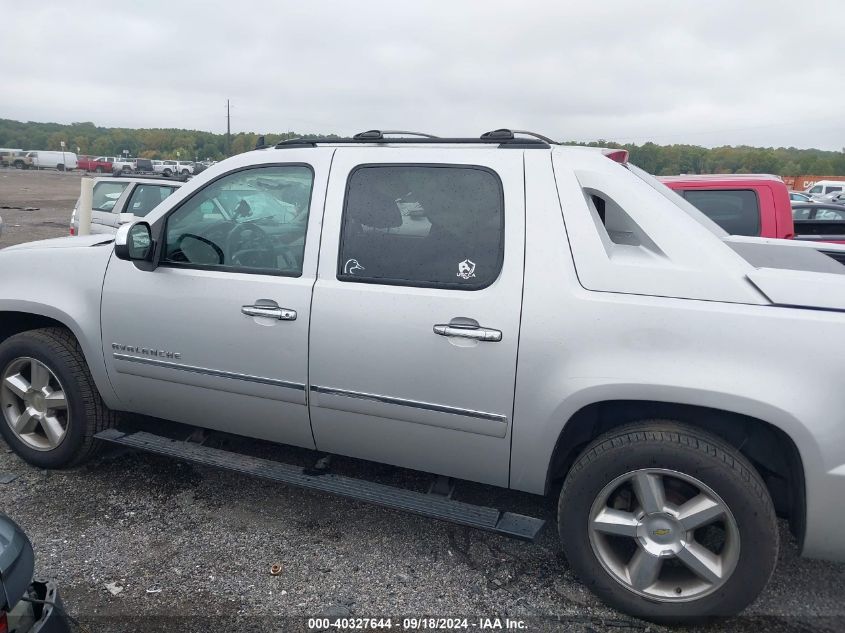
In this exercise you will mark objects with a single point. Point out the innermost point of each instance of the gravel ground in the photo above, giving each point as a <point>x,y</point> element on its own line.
<point>142,543</point>
<point>49,196</point>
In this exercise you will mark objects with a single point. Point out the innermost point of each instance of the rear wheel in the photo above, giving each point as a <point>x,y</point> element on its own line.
<point>98,170</point>
<point>668,523</point>
<point>51,408</point>
<point>167,172</point>
<point>19,164</point>
<point>60,167</point>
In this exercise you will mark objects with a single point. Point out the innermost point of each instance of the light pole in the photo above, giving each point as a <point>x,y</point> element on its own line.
<point>64,164</point>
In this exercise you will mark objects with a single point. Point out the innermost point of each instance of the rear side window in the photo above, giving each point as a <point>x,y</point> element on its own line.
<point>735,210</point>
<point>106,195</point>
<point>145,198</point>
<point>423,225</point>
<point>825,214</point>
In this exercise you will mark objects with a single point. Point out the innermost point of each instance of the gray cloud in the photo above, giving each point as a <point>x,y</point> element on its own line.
<point>720,72</point>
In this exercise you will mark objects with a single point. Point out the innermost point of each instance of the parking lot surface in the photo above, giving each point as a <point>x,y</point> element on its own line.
<point>142,543</point>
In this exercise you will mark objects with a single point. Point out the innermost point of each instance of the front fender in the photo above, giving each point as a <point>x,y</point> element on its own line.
<point>62,280</point>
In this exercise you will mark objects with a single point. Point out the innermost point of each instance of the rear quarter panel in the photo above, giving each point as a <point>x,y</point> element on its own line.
<point>579,347</point>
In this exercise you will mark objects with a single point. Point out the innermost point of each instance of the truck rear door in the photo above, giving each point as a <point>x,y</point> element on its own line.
<point>416,310</point>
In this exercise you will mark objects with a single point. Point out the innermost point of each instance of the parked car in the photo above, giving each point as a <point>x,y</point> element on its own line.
<point>167,167</point>
<point>185,167</point>
<point>834,197</point>
<point>755,205</point>
<point>823,187</point>
<point>119,200</point>
<point>144,166</point>
<point>819,222</point>
<point>26,605</point>
<point>797,196</point>
<point>742,204</point>
<point>16,158</point>
<point>499,309</point>
<point>62,161</point>
<point>97,165</point>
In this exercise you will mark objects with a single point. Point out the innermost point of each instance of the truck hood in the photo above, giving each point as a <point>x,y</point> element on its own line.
<point>795,274</point>
<point>64,242</point>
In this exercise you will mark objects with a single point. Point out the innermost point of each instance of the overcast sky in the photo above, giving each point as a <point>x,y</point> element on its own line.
<point>756,72</point>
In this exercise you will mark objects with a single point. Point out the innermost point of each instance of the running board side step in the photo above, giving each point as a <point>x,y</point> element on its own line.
<point>435,506</point>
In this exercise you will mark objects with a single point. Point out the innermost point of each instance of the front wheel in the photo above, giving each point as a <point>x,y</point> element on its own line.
<point>668,523</point>
<point>51,408</point>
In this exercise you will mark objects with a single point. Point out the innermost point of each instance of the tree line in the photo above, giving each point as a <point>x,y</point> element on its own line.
<point>195,144</point>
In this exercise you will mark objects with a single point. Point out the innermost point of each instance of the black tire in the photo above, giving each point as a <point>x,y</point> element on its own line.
<point>98,170</point>
<point>18,164</point>
<point>168,173</point>
<point>59,350</point>
<point>693,452</point>
<point>60,167</point>
<point>185,172</point>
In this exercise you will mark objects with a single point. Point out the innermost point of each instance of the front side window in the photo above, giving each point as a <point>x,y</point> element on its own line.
<point>735,210</point>
<point>146,197</point>
<point>253,220</point>
<point>106,195</point>
<point>417,225</point>
<point>816,189</point>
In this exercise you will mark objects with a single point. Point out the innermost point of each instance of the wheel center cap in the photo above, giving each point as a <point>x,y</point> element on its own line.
<point>37,401</point>
<point>661,535</point>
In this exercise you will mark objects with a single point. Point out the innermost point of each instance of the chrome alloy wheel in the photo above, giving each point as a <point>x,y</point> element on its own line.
<point>664,535</point>
<point>34,404</point>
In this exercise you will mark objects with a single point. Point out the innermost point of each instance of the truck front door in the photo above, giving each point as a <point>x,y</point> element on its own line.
<point>416,311</point>
<point>217,334</point>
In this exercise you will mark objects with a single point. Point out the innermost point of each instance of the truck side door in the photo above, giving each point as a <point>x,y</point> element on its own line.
<point>217,334</point>
<point>416,311</point>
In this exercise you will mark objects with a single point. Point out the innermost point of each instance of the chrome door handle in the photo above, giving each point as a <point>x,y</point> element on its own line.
<point>270,312</point>
<point>462,327</point>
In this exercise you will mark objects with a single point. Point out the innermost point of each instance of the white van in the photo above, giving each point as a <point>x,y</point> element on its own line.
<point>823,187</point>
<point>63,161</point>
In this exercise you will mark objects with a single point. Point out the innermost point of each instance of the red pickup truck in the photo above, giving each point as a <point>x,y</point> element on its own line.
<point>89,163</point>
<point>759,205</point>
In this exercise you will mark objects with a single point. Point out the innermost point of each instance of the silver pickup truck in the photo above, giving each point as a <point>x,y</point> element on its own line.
<point>501,310</point>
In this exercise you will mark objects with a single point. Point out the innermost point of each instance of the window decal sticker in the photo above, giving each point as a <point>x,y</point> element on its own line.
<point>351,266</point>
<point>466,269</point>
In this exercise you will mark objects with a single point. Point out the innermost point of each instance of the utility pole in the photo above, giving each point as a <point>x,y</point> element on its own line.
<point>228,131</point>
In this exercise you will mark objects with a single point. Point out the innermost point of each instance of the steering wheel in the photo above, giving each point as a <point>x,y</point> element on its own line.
<point>249,245</point>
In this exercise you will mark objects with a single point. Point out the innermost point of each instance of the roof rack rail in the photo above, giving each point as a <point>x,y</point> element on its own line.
<point>371,135</point>
<point>504,133</point>
<point>502,138</point>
